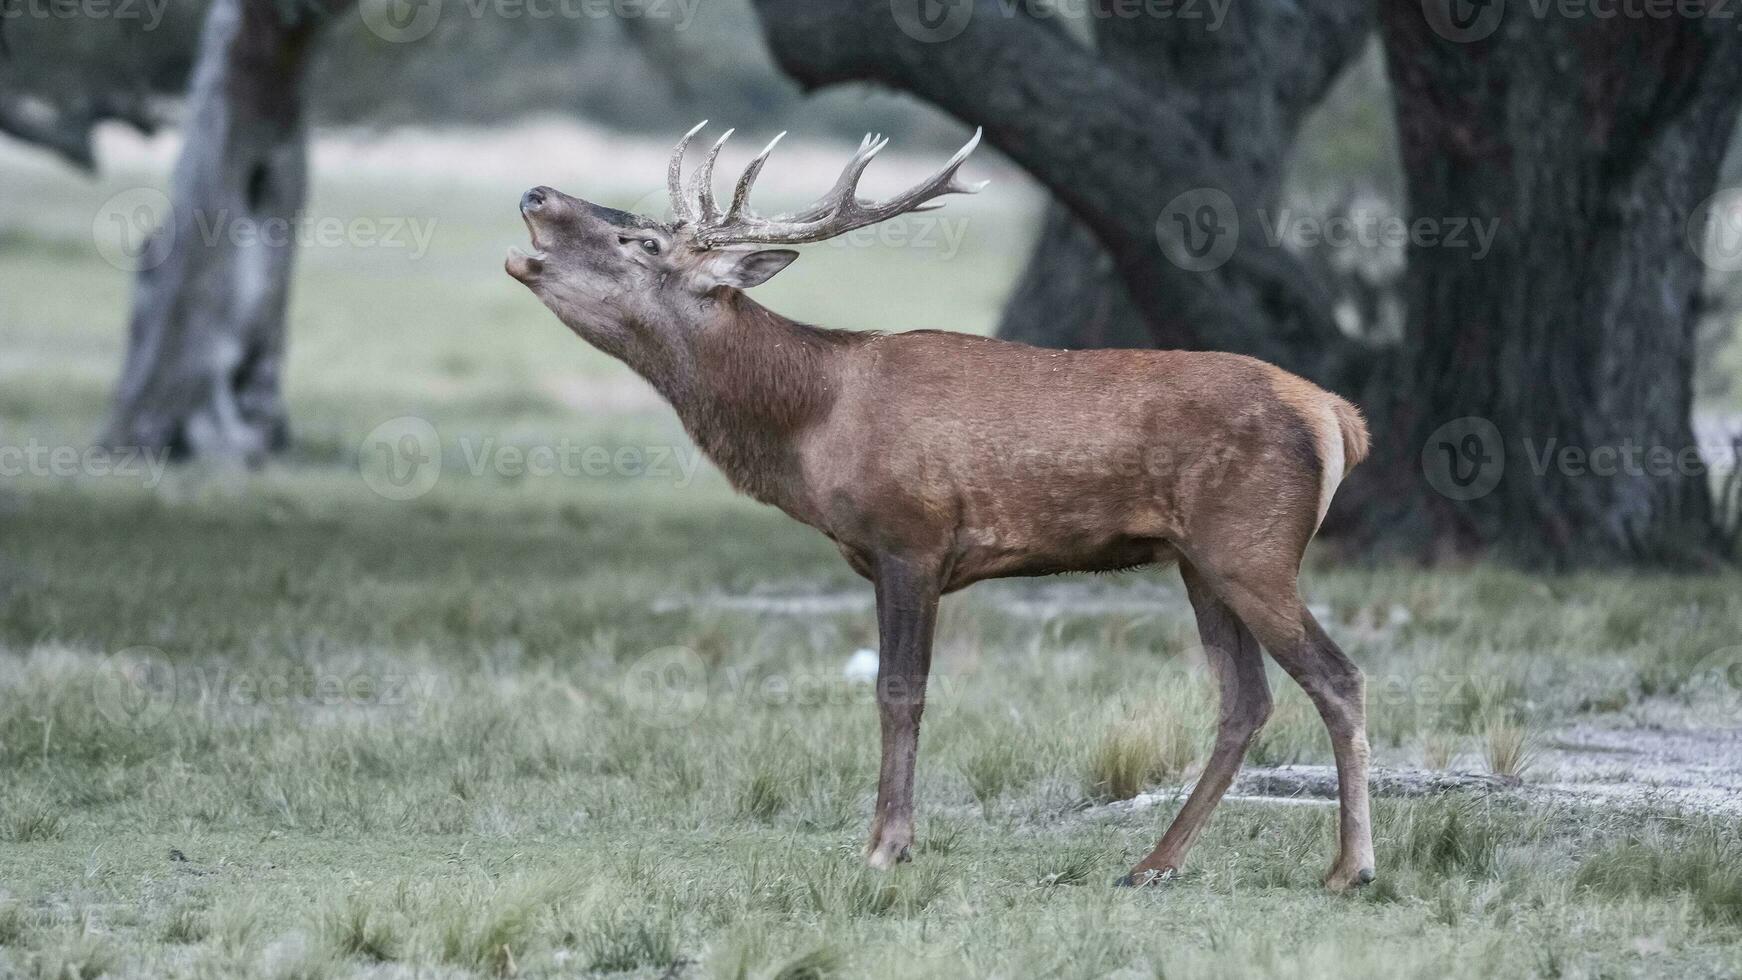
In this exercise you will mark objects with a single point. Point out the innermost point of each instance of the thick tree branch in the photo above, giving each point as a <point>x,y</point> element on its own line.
<point>1246,82</point>
<point>66,131</point>
<point>1117,154</point>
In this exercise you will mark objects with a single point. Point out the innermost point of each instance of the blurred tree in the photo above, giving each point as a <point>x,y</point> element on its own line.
<point>1591,141</point>
<point>62,75</point>
<point>207,336</point>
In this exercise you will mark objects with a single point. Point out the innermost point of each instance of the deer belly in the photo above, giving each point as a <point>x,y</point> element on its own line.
<point>1083,539</point>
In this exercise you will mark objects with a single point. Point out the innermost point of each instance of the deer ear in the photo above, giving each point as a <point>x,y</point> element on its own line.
<point>741,270</point>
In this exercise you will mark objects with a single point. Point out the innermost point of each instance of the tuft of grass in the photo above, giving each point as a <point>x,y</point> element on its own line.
<point>13,924</point>
<point>1076,864</point>
<point>818,963</point>
<point>831,887</point>
<point>1440,749</point>
<point>627,941</point>
<point>1481,699</point>
<point>1136,753</point>
<point>994,768</point>
<point>481,932</point>
<point>1448,839</point>
<point>355,929</point>
<point>74,954</point>
<point>763,793</point>
<point>35,822</point>
<point>238,929</point>
<point>940,836</point>
<point>1508,747</point>
<point>185,926</point>
<point>740,956</point>
<point>1705,866</point>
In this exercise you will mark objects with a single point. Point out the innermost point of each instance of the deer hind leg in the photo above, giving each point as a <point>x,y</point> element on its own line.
<point>1238,665</point>
<point>1272,607</point>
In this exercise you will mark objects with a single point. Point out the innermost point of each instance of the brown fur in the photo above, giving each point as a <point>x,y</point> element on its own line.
<point>934,460</point>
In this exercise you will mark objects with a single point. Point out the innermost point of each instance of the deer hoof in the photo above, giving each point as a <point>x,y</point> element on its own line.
<point>887,856</point>
<point>1145,876</point>
<point>1344,881</point>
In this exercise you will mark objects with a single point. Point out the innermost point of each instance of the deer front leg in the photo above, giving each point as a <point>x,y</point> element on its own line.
<point>907,605</point>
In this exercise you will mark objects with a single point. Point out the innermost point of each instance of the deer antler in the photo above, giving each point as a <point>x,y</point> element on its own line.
<point>680,205</point>
<point>839,211</point>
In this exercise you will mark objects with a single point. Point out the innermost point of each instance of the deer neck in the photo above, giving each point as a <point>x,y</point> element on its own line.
<point>747,383</point>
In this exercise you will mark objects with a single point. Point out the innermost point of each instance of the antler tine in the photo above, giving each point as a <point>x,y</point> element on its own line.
<point>846,187</point>
<point>680,205</point>
<point>741,194</point>
<point>702,182</point>
<point>840,210</point>
<point>923,196</point>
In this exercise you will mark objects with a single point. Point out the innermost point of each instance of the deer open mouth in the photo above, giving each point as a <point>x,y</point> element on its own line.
<point>524,265</point>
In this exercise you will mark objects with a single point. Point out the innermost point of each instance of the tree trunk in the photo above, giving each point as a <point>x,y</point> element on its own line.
<point>1249,82</point>
<point>1591,143</point>
<point>206,342</point>
<point>1127,159</point>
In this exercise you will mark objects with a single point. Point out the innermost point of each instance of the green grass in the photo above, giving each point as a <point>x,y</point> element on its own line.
<point>274,725</point>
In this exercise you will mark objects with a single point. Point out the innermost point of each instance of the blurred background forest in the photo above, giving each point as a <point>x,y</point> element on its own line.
<point>1293,109</point>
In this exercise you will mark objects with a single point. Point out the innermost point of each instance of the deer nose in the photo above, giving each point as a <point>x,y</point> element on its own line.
<point>533,199</point>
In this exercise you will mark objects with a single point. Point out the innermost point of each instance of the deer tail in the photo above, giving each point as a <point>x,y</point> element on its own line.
<point>1356,441</point>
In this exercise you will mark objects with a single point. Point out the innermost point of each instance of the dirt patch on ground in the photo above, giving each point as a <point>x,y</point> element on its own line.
<point>1696,770</point>
<point>1317,786</point>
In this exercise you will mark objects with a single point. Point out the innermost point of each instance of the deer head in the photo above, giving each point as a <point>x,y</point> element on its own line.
<point>624,281</point>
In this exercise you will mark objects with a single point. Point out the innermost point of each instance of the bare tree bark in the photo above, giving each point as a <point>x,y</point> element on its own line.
<point>1591,144</point>
<point>1246,84</point>
<point>1130,163</point>
<point>206,342</point>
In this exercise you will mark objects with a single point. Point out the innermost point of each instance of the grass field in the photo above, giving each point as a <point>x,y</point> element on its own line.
<point>282,724</point>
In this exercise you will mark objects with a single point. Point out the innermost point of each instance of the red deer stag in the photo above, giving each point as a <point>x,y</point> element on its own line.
<point>935,459</point>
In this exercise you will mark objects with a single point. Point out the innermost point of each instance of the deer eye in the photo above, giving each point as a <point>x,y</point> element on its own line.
<point>650,246</point>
